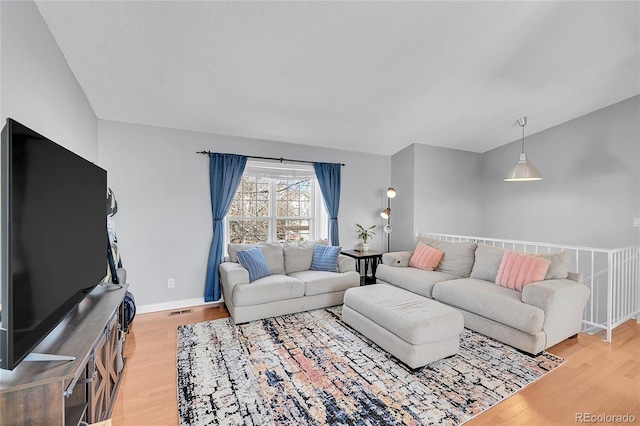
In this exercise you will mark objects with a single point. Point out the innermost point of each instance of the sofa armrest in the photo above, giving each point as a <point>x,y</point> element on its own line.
<point>563,302</point>
<point>346,263</point>
<point>575,276</point>
<point>232,274</point>
<point>397,258</point>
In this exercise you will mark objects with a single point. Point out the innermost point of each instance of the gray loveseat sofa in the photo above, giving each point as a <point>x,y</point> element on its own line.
<point>291,287</point>
<point>542,314</point>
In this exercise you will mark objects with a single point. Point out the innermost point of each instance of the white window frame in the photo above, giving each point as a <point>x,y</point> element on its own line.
<point>319,222</point>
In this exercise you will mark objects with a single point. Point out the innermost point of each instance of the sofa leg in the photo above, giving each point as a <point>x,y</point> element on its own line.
<point>574,336</point>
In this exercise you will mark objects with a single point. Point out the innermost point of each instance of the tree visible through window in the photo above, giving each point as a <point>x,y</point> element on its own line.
<point>249,214</point>
<point>281,208</point>
<point>293,210</point>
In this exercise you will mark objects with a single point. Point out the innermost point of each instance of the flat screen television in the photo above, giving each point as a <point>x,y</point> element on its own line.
<point>54,237</point>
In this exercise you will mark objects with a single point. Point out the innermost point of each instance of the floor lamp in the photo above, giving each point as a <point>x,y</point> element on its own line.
<point>386,214</point>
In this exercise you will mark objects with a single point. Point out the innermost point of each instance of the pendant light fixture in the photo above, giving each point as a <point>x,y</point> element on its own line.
<point>524,170</point>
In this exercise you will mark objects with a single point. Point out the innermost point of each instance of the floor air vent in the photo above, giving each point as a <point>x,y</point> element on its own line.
<point>180,312</point>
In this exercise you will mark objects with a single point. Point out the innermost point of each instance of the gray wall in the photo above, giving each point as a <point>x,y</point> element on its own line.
<point>589,194</point>
<point>439,190</point>
<point>38,88</point>
<point>590,190</point>
<point>448,191</point>
<point>162,187</point>
<point>402,219</point>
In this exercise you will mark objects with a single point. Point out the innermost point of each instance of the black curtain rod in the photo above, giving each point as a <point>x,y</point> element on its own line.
<point>269,158</point>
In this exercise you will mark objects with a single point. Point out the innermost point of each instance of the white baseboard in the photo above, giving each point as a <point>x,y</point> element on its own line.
<point>174,304</point>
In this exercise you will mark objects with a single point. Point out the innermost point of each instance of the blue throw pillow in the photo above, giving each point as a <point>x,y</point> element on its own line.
<point>253,260</point>
<point>325,258</point>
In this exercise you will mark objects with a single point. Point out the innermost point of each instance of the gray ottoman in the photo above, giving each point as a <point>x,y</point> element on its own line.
<point>414,329</point>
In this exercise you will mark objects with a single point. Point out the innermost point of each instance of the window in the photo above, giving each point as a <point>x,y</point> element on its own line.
<point>276,202</point>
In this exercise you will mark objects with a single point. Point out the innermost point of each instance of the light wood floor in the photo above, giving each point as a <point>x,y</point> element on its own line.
<point>598,378</point>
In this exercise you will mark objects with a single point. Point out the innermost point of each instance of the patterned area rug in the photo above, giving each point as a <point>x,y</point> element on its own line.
<point>312,369</point>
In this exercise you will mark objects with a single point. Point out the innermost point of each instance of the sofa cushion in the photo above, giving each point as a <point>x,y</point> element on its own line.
<point>559,268</point>
<point>518,270</point>
<point>320,282</point>
<point>297,257</point>
<point>254,262</point>
<point>267,289</point>
<point>425,257</point>
<point>458,257</point>
<point>487,262</point>
<point>412,279</point>
<point>491,301</point>
<point>272,253</point>
<point>234,248</point>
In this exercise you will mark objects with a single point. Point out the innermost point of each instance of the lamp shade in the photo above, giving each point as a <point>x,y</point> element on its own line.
<point>386,213</point>
<point>391,192</point>
<point>523,171</point>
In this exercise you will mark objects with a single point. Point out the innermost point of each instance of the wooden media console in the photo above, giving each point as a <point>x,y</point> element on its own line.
<point>67,392</point>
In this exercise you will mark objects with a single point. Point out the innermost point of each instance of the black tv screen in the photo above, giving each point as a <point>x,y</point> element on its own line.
<point>54,237</point>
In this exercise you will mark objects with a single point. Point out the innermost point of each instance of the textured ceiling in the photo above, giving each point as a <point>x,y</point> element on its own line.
<point>363,76</point>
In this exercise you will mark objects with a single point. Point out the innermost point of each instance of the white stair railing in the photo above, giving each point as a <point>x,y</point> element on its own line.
<point>612,275</point>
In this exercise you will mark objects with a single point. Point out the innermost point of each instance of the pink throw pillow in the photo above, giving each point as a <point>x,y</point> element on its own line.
<point>518,269</point>
<point>425,257</point>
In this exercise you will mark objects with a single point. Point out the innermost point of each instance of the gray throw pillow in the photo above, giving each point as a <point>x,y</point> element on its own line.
<point>272,253</point>
<point>458,257</point>
<point>274,256</point>
<point>298,257</point>
<point>559,264</point>
<point>233,250</point>
<point>487,262</point>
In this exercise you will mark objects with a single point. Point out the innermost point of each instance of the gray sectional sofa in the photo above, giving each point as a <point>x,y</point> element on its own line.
<point>291,287</point>
<point>541,315</point>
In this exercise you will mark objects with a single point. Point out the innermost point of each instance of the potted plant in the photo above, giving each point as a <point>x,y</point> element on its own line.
<point>365,234</point>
